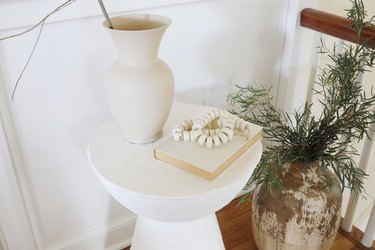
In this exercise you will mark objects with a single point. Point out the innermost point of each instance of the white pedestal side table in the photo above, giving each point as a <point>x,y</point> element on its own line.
<point>176,210</point>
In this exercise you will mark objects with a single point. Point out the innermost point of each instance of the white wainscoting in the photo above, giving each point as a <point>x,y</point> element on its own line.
<point>60,101</point>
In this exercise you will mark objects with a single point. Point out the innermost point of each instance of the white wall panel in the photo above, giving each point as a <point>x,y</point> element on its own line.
<point>60,101</point>
<point>19,13</point>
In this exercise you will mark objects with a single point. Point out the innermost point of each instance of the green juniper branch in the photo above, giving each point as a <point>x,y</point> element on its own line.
<point>302,137</point>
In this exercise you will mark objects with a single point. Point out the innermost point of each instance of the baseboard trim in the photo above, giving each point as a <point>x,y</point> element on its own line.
<point>115,235</point>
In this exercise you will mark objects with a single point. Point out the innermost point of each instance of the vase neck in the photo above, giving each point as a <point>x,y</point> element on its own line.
<point>138,38</point>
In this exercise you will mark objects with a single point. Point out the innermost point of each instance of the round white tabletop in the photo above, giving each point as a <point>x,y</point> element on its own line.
<point>158,191</point>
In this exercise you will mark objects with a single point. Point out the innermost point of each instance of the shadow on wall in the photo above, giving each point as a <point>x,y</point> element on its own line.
<point>245,47</point>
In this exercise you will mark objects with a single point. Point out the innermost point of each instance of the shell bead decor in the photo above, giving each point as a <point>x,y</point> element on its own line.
<point>214,128</point>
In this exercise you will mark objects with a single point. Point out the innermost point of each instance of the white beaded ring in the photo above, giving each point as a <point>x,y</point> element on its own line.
<point>214,128</point>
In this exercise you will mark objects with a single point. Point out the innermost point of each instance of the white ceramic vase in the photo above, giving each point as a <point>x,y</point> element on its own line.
<point>140,86</point>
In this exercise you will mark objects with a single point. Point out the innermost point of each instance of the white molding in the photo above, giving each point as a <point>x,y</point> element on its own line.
<point>113,236</point>
<point>19,14</point>
<point>280,54</point>
<point>14,217</point>
<point>18,218</point>
<point>290,83</point>
<point>288,29</point>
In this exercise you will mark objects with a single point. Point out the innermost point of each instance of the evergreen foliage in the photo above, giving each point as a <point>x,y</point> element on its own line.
<point>303,137</point>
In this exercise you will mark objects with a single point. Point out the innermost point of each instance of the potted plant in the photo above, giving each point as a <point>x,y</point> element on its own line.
<point>309,158</point>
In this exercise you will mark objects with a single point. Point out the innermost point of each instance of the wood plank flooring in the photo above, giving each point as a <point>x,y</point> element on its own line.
<point>235,225</point>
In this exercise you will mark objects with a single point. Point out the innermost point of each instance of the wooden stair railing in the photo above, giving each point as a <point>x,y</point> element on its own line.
<point>336,26</point>
<point>340,27</point>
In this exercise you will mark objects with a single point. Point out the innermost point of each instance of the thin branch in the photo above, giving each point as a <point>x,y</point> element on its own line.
<point>28,60</point>
<point>105,13</point>
<point>60,7</point>
<point>41,24</point>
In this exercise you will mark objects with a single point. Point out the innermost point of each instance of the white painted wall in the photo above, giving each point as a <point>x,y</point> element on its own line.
<point>61,101</point>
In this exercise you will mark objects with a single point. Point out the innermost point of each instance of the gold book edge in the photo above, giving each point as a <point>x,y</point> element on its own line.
<point>172,160</point>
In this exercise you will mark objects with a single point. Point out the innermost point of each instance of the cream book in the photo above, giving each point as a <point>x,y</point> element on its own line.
<point>205,162</point>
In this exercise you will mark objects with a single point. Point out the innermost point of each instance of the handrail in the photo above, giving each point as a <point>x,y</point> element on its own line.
<point>336,26</point>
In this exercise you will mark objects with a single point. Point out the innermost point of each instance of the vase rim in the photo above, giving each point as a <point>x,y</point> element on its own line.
<point>138,23</point>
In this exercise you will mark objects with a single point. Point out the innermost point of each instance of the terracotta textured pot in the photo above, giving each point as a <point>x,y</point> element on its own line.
<point>140,86</point>
<point>304,214</point>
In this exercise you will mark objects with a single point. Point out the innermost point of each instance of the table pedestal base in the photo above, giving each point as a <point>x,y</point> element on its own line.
<point>201,234</point>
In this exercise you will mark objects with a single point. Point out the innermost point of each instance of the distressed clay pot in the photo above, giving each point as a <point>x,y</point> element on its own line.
<point>304,215</point>
<point>140,86</point>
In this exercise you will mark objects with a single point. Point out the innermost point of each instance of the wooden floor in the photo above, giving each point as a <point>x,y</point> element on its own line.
<point>235,225</point>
